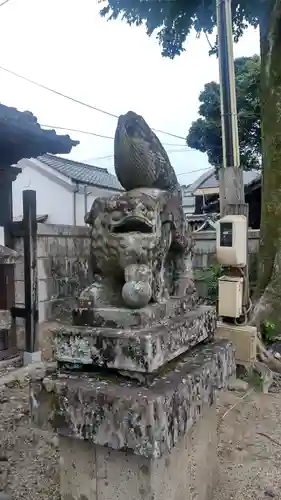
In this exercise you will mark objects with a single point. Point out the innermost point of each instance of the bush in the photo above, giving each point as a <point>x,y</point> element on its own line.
<point>209,276</point>
<point>268,332</point>
<point>207,280</point>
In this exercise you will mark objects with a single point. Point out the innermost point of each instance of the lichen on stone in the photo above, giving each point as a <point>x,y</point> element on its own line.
<point>147,421</point>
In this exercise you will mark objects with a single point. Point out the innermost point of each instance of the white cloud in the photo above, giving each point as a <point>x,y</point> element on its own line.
<point>64,44</point>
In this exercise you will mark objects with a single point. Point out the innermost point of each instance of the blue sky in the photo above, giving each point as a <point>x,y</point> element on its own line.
<point>64,44</point>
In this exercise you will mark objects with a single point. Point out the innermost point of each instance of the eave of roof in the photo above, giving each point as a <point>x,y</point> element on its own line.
<point>22,137</point>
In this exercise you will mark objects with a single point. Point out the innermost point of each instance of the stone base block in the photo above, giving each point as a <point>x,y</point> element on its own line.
<point>142,350</point>
<point>116,413</point>
<point>120,440</point>
<point>121,317</point>
<point>31,357</point>
<point>244,339</point>
<point>189,472</point>
<point>5,319</point>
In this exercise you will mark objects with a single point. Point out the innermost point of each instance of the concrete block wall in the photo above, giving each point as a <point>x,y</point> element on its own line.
<point>63,269</point>
<point>205,247</point>
<point>63,265</point>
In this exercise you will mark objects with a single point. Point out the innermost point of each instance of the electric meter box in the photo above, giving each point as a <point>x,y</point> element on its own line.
<point>230,296</point>
<point>231,241</point>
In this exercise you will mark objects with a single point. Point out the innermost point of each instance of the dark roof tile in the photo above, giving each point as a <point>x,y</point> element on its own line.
<point>81,172</point>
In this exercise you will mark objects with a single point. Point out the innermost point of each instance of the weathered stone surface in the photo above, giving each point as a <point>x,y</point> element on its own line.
<point>135,331</point>
<point>7,255</point>
<point>121,317</point>
<point>124,416</point>
<point>136,350</point>
<point>238,385</point>
<point>136,293</point>
<point>5,496</point>
<point>140,160</point>
<point>144,228</point>
<point>5,319</point>
<point>189,472</point>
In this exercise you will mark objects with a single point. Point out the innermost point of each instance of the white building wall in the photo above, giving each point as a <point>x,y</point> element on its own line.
<point>52,198</point>
<point>93,193</point>
<point>54,193</point>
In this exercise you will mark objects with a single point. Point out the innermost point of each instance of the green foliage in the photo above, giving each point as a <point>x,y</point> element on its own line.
<point>268,331</point>
<point>254,379</point>
<point>172,20</point>
<point>210,276</point>
<point>205,133</point>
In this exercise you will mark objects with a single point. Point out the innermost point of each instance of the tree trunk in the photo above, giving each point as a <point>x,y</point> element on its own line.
<point>268,292</point>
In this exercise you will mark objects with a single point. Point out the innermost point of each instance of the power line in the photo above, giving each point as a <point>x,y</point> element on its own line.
<point>109,157</point>
<point>182,173</point>
<point>77,101</point>
<point>112,156</point>
<point>57,92</point>
<point>78,131</point>
<point>168,133</point>
<point>194,171</point>
<point>187,150</point>
<point>3,3</point>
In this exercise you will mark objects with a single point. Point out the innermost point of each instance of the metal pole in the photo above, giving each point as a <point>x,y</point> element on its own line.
<point>85,201</point>
<point>30,269</point>
<point>230,141</point>
<point>232,198</point>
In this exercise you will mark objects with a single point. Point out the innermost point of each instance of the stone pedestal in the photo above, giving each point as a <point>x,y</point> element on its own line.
<point>190,471</point>
<point>120,439</point>
<point>30,358</point>
<point>137,351</point>
<point>133,399</point>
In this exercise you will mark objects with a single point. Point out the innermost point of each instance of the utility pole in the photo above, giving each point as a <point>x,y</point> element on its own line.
<point>232,199</point>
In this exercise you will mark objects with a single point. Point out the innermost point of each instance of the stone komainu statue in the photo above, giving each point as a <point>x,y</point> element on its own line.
<point>141,251</point>
<point>139,157</point>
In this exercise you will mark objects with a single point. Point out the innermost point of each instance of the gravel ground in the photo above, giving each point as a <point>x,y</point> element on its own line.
<point>28,456</point>
<point>249,462</point>
<point>250,447</point>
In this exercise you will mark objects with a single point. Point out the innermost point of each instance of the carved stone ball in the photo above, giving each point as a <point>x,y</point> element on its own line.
<point>136,294</point>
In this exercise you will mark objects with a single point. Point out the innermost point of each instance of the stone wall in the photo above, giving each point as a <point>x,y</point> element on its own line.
<point>63,271</point>
<point>63,264</point>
